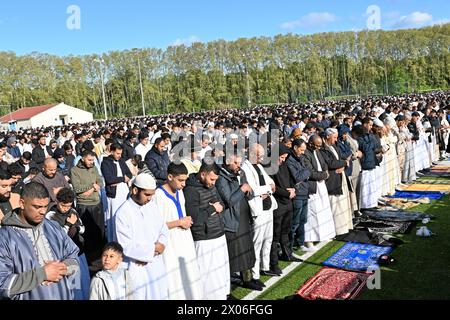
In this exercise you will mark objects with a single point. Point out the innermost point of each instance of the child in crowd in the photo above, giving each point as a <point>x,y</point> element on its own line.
<point>113,282</point>
<point>67,217</point>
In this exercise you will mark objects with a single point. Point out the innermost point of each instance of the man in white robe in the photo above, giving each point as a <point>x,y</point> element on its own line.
<point>143,234</point>
<point>144,146</point>
<point>263,186</point>
<point>117,175</point>
<point>319,222</point>
<point>180,258</point>
<point>337,184</point>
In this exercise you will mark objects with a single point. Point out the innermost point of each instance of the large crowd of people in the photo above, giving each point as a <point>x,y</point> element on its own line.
<point>181,206</point>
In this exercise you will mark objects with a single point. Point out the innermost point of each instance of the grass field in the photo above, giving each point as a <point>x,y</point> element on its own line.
<point>421,269</point>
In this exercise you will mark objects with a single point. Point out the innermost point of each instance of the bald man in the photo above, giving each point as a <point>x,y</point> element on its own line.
<point>52,179</point>
<point>262,205</point>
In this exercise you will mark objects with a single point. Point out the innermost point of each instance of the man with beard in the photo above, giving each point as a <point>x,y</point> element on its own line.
<point>87,182</point>
<point>369,147</point>
<point>117,175</point>
<point>5,194</point>
<point>319,224</point>
<point>41,152</point>
<point>37,259</point>
<point>141,230</point>
<point>51,179</point>
<point>205,207</point>
<point>233,189</point>
<point>262,206</point>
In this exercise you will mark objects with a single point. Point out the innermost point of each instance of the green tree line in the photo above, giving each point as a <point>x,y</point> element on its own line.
<point>220,74</point>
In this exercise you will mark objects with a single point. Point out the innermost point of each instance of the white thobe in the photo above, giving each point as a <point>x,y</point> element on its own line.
<point>180,258</point>
<point>142,150</point>
<point>262,227</point>
<point>138,228</point>
<point>319,224</point>
<point>115,203</point>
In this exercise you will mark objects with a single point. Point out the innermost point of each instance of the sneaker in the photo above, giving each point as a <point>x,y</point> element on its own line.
<point>259,282</point>
<point>276,269</point>
<point>252,285</point>
<point>308,249</point>
<point>292,258</point>
<point>269,273</point>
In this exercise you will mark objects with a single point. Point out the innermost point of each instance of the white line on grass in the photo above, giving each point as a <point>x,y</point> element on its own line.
<point>252,295</point>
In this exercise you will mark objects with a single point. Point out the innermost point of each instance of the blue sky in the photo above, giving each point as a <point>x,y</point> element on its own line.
<point>41,25</point>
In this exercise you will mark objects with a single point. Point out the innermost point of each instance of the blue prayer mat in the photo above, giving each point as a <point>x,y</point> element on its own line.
<point>357,256</point>
<point>434,195</point>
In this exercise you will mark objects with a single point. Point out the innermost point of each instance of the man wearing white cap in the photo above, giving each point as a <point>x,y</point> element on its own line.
<point>141,230</point>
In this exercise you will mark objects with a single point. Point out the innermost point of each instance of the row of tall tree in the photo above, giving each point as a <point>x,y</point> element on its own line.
<point>218,74</point>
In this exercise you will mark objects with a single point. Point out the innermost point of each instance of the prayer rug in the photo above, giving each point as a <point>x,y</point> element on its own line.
<point>333,284</point>
<point>440,167</point>
<point>369,237</point>
<point>437,174</point>
<point>433,181</point>
<point>397,216</point>
<point>426,187</point>
<point>357,256</point>
<point>365,223</point>
<point>433,195</point>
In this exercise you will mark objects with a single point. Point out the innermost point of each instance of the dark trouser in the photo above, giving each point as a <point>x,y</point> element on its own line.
<point>282,219</point>
<point>298,222</point>
<point>94,234</point>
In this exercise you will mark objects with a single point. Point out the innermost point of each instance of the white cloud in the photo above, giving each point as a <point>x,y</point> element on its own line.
<point>187,41</point>
<point>414,20</point>
<point>313,19</point>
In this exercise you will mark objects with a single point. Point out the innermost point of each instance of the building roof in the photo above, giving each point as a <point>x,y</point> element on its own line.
<point>26,113</point>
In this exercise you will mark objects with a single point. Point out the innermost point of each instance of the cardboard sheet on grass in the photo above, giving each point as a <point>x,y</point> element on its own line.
<point>434,195</point>
<point>404,203</point>
<point>357,256</point>
<point>426,187</point>
<point>333,284</point>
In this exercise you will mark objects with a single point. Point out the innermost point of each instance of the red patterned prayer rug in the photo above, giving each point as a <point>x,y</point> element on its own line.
<point>333,284</point>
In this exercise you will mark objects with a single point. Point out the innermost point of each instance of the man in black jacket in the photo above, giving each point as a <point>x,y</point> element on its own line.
<point>41,152</point>
<point>412,126</point>
<point>370,147</point>
<point>117,175</point>
<point>300,174</point>
<point>204,205</point>
<point>157,161</point>
<point>282,216</point>
<point>233,189</point>
<point>128,147</point>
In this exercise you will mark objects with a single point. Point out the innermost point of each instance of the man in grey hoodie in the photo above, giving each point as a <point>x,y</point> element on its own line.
<point>37,258</point>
